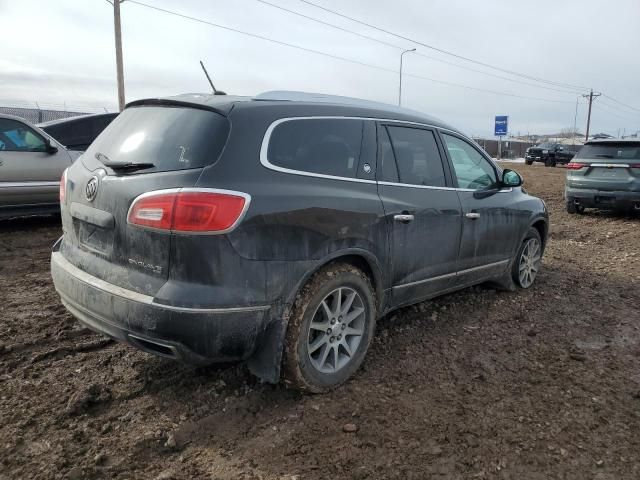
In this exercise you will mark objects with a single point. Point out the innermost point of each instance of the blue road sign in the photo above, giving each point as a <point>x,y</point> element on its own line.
<point>502,122</point>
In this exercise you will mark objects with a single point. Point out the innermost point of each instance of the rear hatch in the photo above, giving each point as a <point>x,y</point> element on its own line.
<point>146,148</point>
<point>606,166</point>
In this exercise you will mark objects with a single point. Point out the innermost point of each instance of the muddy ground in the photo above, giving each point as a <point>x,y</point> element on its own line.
<point>536,384</point>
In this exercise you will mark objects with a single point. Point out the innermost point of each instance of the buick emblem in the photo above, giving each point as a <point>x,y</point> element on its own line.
<point>91,189</point>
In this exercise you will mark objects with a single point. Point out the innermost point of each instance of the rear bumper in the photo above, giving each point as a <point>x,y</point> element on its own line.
<point>603,199</point>
<point>193,335</point>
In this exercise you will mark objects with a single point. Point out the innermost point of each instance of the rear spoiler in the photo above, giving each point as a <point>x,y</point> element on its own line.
<point>223,108</point>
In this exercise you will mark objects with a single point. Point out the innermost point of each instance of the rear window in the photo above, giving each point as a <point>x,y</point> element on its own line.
<point>325,146</point>
<point>610,152</point>
<point>172,138</point>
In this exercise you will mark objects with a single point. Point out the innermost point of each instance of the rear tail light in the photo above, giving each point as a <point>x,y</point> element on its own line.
<point>63,186</point>
<point>576,165</point>
<point>189,210</point>
<point>635,165</point>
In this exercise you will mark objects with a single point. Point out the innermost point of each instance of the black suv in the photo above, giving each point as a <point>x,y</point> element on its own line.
<point>550,154</point>
<point>277,229</point>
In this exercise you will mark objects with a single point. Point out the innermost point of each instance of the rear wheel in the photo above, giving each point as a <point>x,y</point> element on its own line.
<point>528,259</point>
<point>330,329</point>
<point>550,162</point>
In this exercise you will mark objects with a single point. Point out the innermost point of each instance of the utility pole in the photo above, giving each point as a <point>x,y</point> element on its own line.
<point>591,96</point>
<point>118,34</point>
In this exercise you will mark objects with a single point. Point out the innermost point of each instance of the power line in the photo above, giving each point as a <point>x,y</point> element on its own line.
<point>259,37</point>
<point>398,47</point>
<point>620,103</point>
<point>446,52</point>
<point>336,57</point>
<point>485,90</point>
<point>600,106</point>
<point>362,35</point>
<point>618,111</point>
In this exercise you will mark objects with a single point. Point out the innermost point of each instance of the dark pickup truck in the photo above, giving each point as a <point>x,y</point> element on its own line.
<point>550,153</point>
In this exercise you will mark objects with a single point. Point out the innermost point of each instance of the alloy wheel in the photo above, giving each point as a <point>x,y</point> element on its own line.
<point>529,262</point>
<point>336,330</point>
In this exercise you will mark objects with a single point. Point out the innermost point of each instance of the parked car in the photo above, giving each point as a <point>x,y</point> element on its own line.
<point>605,174</point>
<point>77,133</point>
<point>550,154</point>
<point>31,163</point>
<point>277,229</point>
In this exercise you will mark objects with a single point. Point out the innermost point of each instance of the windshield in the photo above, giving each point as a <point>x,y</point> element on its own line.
<point>610,151</point>
<point>546,145</point>
<point>170,138</point>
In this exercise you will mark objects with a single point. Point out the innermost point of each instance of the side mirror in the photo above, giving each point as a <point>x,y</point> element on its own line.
<point>560,148</point>
<point>511,178</point>
<point>50,147</point>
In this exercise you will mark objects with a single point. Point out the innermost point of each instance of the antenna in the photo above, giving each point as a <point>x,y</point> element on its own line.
<point>215,92</point>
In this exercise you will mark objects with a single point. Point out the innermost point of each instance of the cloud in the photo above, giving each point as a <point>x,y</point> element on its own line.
<point>68,55</point>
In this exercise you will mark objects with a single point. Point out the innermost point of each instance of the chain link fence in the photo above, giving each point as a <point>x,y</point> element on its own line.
<point>39,113</point>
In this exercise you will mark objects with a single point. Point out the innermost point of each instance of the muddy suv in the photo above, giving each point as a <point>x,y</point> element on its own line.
<point>605,174</point>
<point>277,229</point>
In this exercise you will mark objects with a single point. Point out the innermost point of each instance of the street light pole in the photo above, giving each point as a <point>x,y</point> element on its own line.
<point>400,86</point>
<point>575,120</point>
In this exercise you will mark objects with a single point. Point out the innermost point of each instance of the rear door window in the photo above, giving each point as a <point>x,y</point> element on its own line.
<point>417,156</point>
<point>324,146</point>
<point>171,138</point>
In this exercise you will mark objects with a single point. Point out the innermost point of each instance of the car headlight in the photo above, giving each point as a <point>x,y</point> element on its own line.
<point>545,151</point>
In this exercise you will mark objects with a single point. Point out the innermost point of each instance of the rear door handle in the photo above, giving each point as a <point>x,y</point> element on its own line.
<point>472,215</point>
<point>403,218</point>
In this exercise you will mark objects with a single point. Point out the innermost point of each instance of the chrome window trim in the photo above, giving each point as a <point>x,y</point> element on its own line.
<point>609,165</point>
<point>151,193</point>
<point>264,148</point>
<point>28,184</point>
<point>454,274</point>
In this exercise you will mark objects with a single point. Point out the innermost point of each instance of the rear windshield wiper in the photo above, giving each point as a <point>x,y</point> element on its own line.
<point>122,166</point>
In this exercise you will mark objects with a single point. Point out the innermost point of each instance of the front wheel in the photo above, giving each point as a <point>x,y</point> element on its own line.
<point>528,259</point>
<point>330,329</point>
<point>529,162</point>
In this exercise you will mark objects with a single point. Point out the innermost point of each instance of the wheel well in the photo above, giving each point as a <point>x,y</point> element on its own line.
<point>541,227</point>
<point>361,263</point>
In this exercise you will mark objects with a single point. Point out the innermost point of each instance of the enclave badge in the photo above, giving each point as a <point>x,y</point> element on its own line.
<point>91,189</point>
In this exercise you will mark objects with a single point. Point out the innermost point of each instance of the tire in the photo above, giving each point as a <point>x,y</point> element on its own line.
<point>528,162</point>
<point>316,360</point>
<point>527,262</point>
<point>572,208</point>
<point>550,162</point>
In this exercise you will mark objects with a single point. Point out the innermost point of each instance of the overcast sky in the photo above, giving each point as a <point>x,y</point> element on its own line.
<point>62,52</point>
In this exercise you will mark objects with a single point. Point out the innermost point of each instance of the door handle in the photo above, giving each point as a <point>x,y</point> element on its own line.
<point>472,215</point>
<point>403,218</point>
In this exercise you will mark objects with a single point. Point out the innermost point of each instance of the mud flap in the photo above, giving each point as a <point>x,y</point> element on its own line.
<point>266,361</point>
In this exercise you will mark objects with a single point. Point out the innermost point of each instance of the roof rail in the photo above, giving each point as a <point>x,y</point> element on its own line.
<point>293,96</point>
